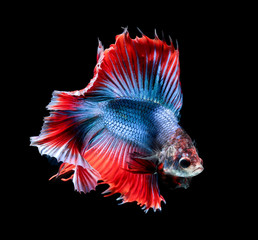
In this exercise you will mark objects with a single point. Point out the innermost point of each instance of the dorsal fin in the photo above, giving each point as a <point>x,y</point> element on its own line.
<point>140,68</point>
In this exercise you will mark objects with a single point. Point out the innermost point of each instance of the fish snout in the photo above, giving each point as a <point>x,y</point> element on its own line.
<point>198,170</point>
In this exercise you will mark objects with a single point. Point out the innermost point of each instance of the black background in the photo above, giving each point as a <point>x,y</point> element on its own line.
<point>55,48</point>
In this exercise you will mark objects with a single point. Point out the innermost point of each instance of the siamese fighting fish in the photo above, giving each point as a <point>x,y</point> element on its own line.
<point>123,128</point>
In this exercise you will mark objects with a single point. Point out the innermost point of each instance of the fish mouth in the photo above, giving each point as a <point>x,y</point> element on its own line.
<point>199,170</point>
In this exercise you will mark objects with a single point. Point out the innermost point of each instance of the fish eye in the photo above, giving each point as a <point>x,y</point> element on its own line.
<point>184,163</point>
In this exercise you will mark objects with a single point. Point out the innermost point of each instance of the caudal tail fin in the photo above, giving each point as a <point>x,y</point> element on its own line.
<point>67,132</point>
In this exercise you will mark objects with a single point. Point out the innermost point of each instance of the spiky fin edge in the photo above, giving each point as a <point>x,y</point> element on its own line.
<point>140,68</point>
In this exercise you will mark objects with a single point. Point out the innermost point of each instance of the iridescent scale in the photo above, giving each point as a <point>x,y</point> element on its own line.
<point>143,123</point>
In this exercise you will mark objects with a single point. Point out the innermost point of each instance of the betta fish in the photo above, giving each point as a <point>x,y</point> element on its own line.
<point>123,128</point>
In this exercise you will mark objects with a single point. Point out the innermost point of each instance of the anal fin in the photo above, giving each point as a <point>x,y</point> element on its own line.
<point>110,157</point>
<point>85,179</point>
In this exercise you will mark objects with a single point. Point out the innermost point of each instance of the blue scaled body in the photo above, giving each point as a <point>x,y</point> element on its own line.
<point>144,123</point>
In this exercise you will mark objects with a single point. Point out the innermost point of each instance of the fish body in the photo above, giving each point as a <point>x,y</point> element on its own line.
<point>143,123</point>
<point>123,128</point>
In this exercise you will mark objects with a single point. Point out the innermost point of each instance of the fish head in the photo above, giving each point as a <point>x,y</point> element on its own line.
<point>180,158</point>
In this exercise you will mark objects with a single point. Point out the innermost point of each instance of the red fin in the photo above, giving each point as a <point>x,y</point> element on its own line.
<point>65,134</point>
<point>85,180</point>
<point>140,68</point>
<point>109,157</point>
<point>64,169</point>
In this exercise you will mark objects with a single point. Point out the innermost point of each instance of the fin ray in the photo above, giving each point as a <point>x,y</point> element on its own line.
<point>140,68</point>
<point>110,157</point>
<point>73,121</point>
